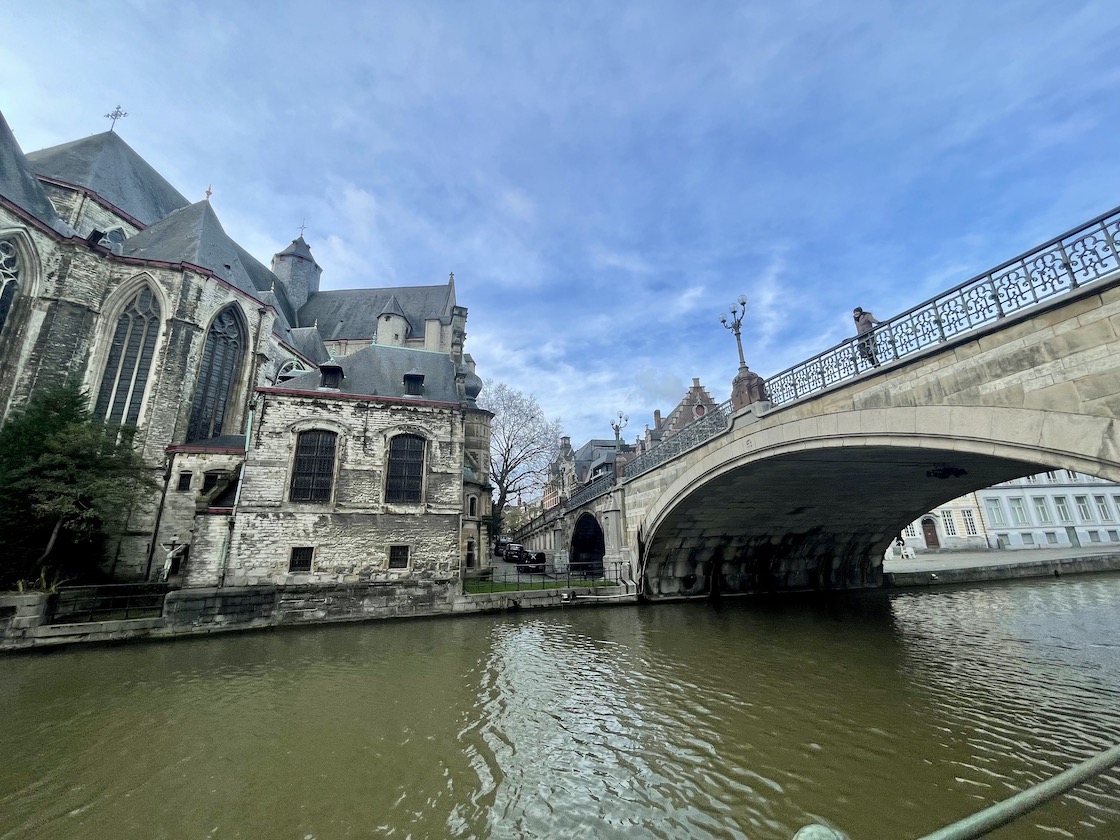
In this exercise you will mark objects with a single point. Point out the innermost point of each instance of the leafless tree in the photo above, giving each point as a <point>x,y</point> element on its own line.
<point>523,443</point>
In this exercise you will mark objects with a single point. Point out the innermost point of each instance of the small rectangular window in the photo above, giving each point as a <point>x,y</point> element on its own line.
<point>1083,510</point>
<point>1042,510</point>
<point>1103,508</point>
<point>995,511</point>
<point>1113,536</point>
<point>1063,509</point>
<point>300,560</point>
<point>1051,538</point>
<point>398,557</point>
<point>1028,539</point>
<point>911,530</point>
<point>1094,536</point>
<point>184,481</point>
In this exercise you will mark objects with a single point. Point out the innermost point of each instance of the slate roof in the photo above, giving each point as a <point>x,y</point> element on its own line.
<point>379,370</point>
<point>353,313</point>
<point>107,165</point>
<point>19,185</point>
<point>308,342</point>
<point>298,248</point>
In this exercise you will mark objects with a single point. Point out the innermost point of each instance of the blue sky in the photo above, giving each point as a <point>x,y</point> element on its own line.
<point>605,178</point>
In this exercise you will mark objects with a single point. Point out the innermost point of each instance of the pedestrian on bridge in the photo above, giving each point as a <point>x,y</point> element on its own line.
<point>865,323</point>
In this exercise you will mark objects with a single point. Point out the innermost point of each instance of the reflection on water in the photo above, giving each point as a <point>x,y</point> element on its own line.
<point>887,716</point>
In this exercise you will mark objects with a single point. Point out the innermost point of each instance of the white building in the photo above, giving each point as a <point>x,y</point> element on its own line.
<point>1054,509</point>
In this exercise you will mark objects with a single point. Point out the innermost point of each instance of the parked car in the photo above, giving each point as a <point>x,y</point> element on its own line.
<point>514,552</point>
<point>532,563</point>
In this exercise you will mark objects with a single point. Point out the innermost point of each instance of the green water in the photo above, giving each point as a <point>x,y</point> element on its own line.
<point>885,716</point>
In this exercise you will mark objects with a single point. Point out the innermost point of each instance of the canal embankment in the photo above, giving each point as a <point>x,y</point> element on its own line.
<point>940,568</point>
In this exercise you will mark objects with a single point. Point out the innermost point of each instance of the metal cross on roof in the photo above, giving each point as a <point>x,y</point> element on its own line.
<point>303,227</point>
<point>114,115</point>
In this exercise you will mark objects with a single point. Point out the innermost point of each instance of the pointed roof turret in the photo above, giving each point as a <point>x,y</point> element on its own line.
<point>108,166</point>
<point>19,185</point>
<point>298,248</point>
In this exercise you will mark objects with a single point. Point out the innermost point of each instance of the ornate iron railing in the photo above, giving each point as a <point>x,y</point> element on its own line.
<point>691,436</point>
<point>1061,266</point>
<point>599,487</point>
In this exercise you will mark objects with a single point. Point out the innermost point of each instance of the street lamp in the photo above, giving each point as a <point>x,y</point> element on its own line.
<point>737,313</point>
<point>618,425</point>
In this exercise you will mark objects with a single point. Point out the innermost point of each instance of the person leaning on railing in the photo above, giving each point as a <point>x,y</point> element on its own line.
<point>865,323</point>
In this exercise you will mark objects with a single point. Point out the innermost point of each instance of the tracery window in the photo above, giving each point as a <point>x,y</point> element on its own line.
<point>313,471</point>
<point>405,481</point>
<point>218,374</point>
<point>129,361</point>
<point>9,279</point>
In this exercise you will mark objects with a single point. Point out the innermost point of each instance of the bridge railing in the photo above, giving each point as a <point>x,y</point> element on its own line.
<point>691,436</point>
<point>1057,268</point>
<point>599,487</point>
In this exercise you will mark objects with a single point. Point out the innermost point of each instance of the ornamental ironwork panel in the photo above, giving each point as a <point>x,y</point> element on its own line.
<point>691,436</point>
<point>1059,267</point>
<point>598,487</point>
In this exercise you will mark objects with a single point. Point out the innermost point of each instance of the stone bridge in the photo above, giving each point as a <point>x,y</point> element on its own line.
<point>1015,372</point>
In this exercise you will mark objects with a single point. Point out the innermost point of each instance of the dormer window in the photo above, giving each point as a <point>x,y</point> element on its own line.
<point>414,383</point>
<point>331,376</point>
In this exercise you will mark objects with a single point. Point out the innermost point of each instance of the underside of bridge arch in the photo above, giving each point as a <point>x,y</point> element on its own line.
<point>815,519</point>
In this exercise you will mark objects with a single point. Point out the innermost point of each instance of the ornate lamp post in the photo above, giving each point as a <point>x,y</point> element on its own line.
<point>747,387</point>
<point>737,313</point>
<point>618,425</point>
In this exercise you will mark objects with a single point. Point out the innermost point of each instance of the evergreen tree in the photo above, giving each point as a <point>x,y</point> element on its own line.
<point>67,483</point>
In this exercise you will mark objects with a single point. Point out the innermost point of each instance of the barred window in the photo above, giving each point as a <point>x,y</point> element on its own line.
<point>398,557</point>
<point>9,279</point>
<point>406,469</point>
<point>313,470</point>
<point>218,374</point>
<point>948,523</point>
<point>129,360</point>
<point>911,530</point>
<point>969,522</point>
<point>300,560</point>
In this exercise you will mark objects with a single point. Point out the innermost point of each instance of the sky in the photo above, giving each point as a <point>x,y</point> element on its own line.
<point>605,178</point>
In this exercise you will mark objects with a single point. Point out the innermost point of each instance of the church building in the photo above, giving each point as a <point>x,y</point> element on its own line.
<point>298,435</point>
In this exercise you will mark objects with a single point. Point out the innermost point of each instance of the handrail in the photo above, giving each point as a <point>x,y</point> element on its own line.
<point>1005,812</point>
<point>1026,801</point>
<point>691,436</point>
<point>1058,267</point>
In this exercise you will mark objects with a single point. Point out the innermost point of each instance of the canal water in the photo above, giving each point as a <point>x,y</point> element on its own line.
<point>887,715</point>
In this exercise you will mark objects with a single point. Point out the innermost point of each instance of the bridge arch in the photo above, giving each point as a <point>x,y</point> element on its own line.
<point>588,545</point>
<point>813,502</point>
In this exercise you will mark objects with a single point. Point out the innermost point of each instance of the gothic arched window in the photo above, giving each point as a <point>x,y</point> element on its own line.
<point>406,469</point>
<point>217,376</point>
<point>130,358</point>
<point>9,279</point>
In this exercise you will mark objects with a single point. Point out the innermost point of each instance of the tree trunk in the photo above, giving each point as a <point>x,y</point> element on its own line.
<point>50,542</point>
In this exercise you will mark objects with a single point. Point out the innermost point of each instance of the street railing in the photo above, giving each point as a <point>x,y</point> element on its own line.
<point>1059,267</point>
<point>691,436</point>
<point>110,602</point>
<point>595,575</point>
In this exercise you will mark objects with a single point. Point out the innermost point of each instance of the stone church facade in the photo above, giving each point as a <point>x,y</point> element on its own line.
<point>298,435</point>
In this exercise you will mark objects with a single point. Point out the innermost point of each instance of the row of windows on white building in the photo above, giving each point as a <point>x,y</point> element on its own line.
<point>1057,508</point>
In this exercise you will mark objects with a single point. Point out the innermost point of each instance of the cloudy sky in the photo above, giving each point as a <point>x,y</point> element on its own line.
<point>604,178</point>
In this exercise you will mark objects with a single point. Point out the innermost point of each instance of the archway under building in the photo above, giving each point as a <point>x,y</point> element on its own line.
<point>588,546</point>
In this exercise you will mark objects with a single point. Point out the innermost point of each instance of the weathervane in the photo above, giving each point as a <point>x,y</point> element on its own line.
<point>209,192</point>
<point>114,115</point>
<point>303,227</point>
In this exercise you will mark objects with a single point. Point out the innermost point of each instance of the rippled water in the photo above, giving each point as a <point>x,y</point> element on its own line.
<point>887,716</point>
